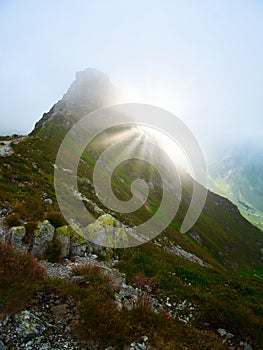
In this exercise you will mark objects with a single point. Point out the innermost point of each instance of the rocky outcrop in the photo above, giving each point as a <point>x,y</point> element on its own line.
<point>6,148</point>
<point>90,90</point>
<point>106,231</point>
<point>79,245</point>
<point>70,238</point>
<point>172,248</point>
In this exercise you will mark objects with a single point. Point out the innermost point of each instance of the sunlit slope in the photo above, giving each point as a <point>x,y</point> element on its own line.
<point>221,236</point>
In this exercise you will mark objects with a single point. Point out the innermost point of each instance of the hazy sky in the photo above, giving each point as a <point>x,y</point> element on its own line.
<point>202,60</point>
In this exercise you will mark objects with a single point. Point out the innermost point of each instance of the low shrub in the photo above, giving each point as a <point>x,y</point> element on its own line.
<point>56,219</point>
<point>30,228</point>
<point>53,252</point>
<point>12,220</point>
<point>20,277</point>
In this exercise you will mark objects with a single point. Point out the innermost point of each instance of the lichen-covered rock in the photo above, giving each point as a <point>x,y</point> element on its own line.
<point>28,324</point>
<point>98,210</point>
<point>42,236</point>
<point>63,236</point>
<point>107,231</point>
<point>93,207</point>
<point>17,235</point>
<point>78,243</point>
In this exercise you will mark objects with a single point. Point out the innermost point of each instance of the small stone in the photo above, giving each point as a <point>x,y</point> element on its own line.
<point>222,332</point>
<point>6,320</point>
<point>229,336</point>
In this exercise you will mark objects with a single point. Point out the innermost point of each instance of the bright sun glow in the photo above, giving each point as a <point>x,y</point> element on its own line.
<point>165,95</point>
<point>172,149</point>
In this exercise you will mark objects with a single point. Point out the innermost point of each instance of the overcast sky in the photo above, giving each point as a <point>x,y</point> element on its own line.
<point>202,60</point>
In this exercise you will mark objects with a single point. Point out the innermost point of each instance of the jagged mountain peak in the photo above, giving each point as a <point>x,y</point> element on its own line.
<point>89,84</point>
<point>91,90</point>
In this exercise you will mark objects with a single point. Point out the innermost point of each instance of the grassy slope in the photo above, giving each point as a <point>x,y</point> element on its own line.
<point>224,298</point>
<point>27,174</point>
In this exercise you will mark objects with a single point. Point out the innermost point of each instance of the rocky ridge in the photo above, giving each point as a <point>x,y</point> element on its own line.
<point>90,90</point>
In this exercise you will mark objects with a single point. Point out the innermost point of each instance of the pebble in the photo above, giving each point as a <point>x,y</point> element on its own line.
<point>222,332</point>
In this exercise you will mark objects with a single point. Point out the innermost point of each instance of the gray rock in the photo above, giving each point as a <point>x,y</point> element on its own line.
<point>138,346</point>
<point>5,148</point>
<point>38,329</point>
<point>48,201</point>
<point>62,234</point>
<point>221,331</point>
<point>17,235</point>
<point>43,235</point>
<point>177,250</point>
<point>196,237</point>
<point>78,243</point>
<point>29,324</point>
<point>229,336</point>
<point>2,233</point>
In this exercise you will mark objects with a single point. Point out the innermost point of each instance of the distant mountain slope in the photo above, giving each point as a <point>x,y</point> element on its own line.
<point>238,175</point>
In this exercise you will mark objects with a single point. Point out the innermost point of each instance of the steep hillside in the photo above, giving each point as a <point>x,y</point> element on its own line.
<point>27,191</point>
<point>206,279</point>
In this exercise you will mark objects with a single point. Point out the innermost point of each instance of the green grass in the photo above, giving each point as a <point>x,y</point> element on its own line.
<point>228,295</point>
<point>223,299</point>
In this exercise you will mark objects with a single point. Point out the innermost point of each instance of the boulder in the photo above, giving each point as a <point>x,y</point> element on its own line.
<point>107,231</point>
<point>62,234</point>
<point>17,235</point>
<point>42,236</point>
<point>78,243</point>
